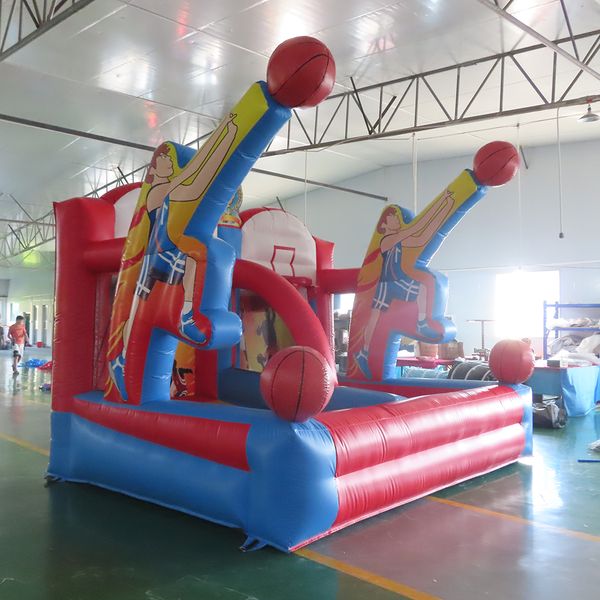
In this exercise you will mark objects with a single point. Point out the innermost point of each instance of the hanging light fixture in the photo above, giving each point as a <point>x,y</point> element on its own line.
<point>589,116</point>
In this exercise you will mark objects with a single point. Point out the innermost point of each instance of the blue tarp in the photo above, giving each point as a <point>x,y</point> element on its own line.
<point>579,387</point>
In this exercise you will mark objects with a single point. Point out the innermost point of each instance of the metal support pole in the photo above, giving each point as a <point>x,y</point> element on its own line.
<point>330,186</point>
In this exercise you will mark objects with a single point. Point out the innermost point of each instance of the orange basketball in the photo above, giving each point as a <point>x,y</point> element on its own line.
<point>496,163</point>
<point>512,361</point>
<point>297,383</point>
<point>301,72</point>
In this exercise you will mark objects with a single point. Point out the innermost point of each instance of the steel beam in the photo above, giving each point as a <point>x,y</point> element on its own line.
<point>330,186</point>
<point>35,232</point>
<point>30,22</point>
<point>74,132</point>
<point>24,222</point>
<point>458,106</point>
<point>568,22</point>
<point>407,101</point>
<point>502,12</point>
<point>29,235</point>
<point>457,109</point>
<point>440,124</point>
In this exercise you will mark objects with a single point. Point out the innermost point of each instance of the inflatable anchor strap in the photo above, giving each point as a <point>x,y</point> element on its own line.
<point>252,544</point>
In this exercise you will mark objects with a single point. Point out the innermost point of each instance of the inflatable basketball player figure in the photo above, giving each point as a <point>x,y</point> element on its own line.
<point>175,279</point>
<point>397,294</point>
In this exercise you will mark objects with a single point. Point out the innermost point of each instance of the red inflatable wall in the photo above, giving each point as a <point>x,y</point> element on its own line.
<point>85,245</point>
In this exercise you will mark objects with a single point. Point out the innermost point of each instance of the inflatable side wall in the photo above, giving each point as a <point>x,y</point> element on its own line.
<point>226,464</point>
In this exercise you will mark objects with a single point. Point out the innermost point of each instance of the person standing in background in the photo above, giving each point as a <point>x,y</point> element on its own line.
<point>17,334</point>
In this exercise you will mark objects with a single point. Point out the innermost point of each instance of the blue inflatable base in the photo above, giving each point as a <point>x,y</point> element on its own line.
<point>284,494</point>
<point>278,502</point>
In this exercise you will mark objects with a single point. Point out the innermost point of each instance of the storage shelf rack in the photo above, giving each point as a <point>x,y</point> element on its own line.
<point>557,306</point>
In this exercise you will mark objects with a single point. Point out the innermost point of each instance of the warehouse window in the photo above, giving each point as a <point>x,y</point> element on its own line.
<point>343,303</point>
<point>519,302</point>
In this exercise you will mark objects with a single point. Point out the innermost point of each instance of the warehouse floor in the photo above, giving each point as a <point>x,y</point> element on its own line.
<point>531,530</point>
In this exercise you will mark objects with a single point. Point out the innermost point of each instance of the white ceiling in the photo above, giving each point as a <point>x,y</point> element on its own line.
<point>149,70</point>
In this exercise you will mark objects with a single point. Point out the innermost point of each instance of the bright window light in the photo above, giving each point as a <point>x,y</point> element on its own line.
<point>519,302</point>
<point>344,303</point>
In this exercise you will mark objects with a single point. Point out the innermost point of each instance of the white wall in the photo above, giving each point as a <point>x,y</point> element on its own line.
<point>487,240</point>
<point>4,284</point>
<point>33,287</point>
<point>25,283</point>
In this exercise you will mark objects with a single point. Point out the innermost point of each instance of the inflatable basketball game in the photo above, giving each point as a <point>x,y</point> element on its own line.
<point>203,376</point>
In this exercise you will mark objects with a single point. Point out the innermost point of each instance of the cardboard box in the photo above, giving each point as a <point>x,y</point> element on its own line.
<point>451,350</point>
<point>426,350</point>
